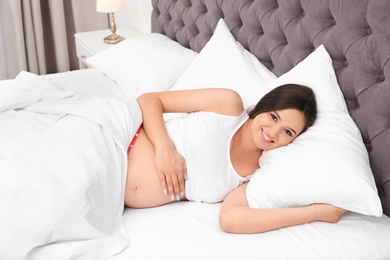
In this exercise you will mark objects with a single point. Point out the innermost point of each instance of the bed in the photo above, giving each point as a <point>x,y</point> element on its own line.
<point>340,47</point>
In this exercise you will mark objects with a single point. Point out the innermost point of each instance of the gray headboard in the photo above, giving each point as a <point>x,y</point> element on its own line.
<point>280,33</point>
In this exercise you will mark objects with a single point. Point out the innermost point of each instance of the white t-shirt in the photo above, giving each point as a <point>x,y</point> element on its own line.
<point>203,139</point>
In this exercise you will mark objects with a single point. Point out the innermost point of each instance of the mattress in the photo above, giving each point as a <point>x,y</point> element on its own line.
<point>190,230</point>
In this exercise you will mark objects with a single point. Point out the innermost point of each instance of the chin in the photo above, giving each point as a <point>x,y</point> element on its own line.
<point>271,148</point>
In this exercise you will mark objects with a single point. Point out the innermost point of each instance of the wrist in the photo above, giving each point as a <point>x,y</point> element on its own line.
<point>311,213</point>
<point>163,144</point>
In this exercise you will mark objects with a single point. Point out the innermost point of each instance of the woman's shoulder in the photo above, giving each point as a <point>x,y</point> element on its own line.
<point>234,105</point>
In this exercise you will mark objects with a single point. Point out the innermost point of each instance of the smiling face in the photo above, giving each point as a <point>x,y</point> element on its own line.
<point>277,128</point>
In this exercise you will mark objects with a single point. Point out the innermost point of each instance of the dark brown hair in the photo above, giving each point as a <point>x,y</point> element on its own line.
<point>288,96</point>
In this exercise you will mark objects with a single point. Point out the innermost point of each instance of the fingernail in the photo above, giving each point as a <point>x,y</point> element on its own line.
<point>177,198</point>
<point>182,194</point>
<point>165,191</point>
<point>186,177</point>
<point>172,197</point>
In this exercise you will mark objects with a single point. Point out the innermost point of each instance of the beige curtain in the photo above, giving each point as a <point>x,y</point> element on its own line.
<point>3,66</point>
<point>38,35</point>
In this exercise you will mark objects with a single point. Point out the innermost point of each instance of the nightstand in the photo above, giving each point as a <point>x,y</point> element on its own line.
<point>90,43</point>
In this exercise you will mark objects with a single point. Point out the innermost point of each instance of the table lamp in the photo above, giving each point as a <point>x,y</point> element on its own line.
<point>111,6</point>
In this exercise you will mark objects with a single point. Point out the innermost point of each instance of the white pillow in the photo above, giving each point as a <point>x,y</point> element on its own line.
<point>328,163</point>
<point>144,63</point>
<point>225,63</point>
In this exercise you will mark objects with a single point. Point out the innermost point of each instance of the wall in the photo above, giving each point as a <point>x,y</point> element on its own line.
<point>137,15</point>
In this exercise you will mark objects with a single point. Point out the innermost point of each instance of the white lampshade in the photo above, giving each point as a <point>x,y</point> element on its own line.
<point>110,6</point>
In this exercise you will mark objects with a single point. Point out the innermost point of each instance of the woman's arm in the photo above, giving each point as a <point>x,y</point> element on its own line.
<point>170,165</point>
<point>237,217</point>
<point>153,105</point>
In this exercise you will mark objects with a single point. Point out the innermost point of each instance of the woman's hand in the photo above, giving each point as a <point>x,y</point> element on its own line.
<point>171,169</point>
<point>326,212</point>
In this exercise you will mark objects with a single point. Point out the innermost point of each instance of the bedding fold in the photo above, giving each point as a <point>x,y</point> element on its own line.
<point>62,190</point>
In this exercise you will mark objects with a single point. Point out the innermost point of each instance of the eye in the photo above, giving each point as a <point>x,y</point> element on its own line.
<point>274,118</point>
<point>288,132</point>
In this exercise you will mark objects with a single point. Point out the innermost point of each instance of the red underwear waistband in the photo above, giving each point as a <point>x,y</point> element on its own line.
<point>134,139</point>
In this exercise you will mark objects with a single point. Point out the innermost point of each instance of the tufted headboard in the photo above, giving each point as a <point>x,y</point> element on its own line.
<point>280,33</point>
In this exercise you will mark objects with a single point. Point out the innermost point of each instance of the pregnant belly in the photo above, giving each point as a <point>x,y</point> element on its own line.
<point>143,187</point>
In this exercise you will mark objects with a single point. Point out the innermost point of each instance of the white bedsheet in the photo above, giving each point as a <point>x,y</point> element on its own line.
<point>190,230</point>
<point>182,230</point>
<point>62,171</point>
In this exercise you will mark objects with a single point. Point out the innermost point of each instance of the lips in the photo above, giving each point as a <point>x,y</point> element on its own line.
<point>265,137</point>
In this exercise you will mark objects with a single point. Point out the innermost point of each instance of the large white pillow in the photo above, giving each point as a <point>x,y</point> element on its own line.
<point>328,163</point>
<point>144,63</point>
<point>225,63</point>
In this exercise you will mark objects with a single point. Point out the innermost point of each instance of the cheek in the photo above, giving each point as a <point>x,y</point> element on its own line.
<point>285,140</point>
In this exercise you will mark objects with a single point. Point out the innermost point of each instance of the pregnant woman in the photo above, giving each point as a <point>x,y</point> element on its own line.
<point>215,148</point>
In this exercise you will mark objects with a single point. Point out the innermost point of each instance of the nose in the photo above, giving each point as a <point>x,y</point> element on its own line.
<point>274,132</point>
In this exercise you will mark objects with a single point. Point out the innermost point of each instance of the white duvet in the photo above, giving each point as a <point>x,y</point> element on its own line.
<point>62,171</point>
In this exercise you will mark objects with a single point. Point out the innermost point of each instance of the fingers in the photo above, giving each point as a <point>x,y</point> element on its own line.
<point>176,186</point>
<point>328,212</point>
<point>181,180</point>
<point>171,169</point>
<point>173,185</point>
<point>163,183</point>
